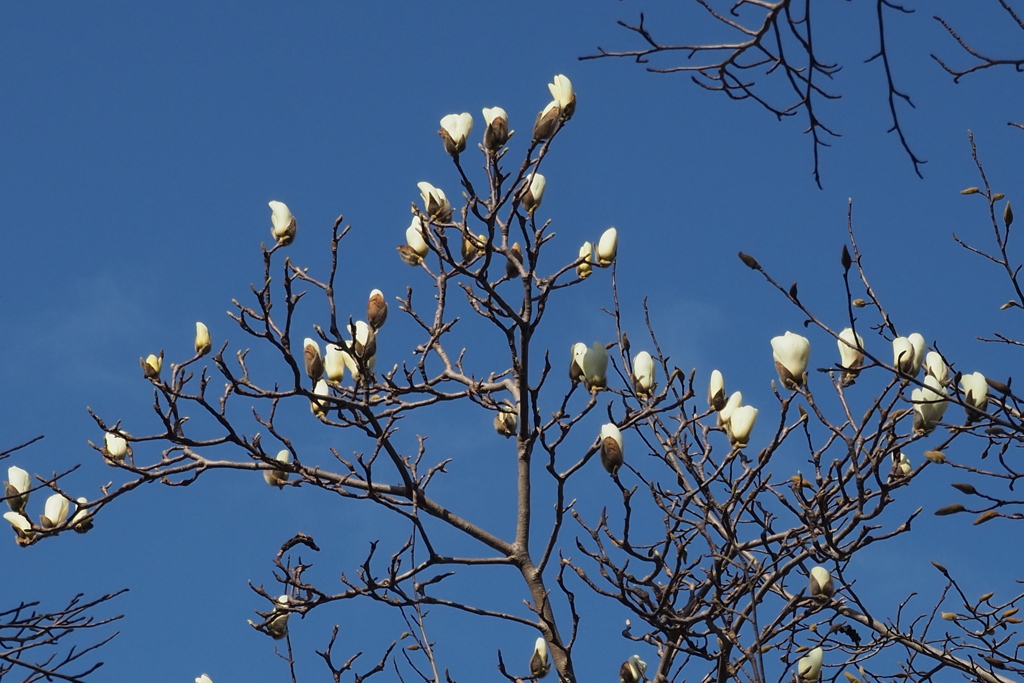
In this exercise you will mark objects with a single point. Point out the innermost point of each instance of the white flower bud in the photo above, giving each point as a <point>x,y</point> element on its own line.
<point>277,477</point>
<point>935,365</point>
<point>612,450</point>
<point>533,192</point>
<point>17,488</point>
<point>561,90</point>
<point>716,391</point>
<point>791,353</point>
<point>435,203</point>
<point>595,367</point>
<point>497,132</point>
<point>55,511</point>
<point>23,532</point>
<point>643,374</point>
<point>203,343</point>
<point>821,583</point>
<point>455,128</point>
<point>975,389</point>
<point>540,665</point>
<point>809,667</point>
<point>741,422</point>
<point>313,360</point>
<point>607,247</point>
<point>929,405</point>
<point>282,222</point>
<point>584,269</point>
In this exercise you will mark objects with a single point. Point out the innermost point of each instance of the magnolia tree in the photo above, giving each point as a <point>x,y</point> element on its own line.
<point>729,561</point>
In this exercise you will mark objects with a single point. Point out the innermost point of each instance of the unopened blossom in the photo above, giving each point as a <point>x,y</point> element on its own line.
<point>741,422</point>
<point>908,353</point>
<point>716,391</point>
<point>632,670</point>
<point>365,340</point>
<point>820,583</point>
<point>496,133</point>
<point>455,128</point>
<point>376,309</point>
<point>82,521</point>
<point>318,404</point>
<point>277,625</point>
<point>514,261</point>
<point>533,193</point>
<point>611,448</point>
<point>595,367</point>
<point>115,446</point>
<point>547,121</point>
<point>282,223</point>
<point>414,239</point>
<point>16,489</point>
<point>791,353</point>
<point>472,245</point>
<point>505,422</point>
<point>901,466</point>
<point>929,405</point>
<point>314,361</point>
<point>607,247</point>
<point>435,202</point>
<point>561,90</point>
<point>851,355</point>
<point>935,365</point>
<point>334,362</point>
<point>23,532</point>
<point>643,374</point>
<point>734,401</point>
<point>204,679</point>
<point>579,351</point>
<point>203,343</point>
<point>975,388</point>
<point>540,665</point>
<point>55,511</point>
<point>151,365</point>
<point>278,478</point>
<point>808,668</point>
<point>585,268</point>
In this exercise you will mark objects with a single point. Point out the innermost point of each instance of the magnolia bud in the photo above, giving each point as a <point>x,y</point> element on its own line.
<point>595,367</point>
<point>791,353</point>
<point>579,351</point>
<point>851,355</point>
<point>115,447</point>
<point>17,488</point>
<point>975,389</point>
<point>643,374</point>
<point>533,192</point>
<point>585,268</point>
<point>314,361</point>
<point>455,128</point>
<point>808,669</point>
<point>435,202</point>
<point>561,90</point>
<point>376,309</point>
<point>151,365</point>
<point>821,583</point>
<point>741,422</point>
<point>547,121</point>
<point>23,532</point>
<point>277,477</point>
<point>607,247</point>
<point>496,133</point>
<point>540,665</point>
<point>203,343</point>
<point>318,404</point>
<point>611,448</point>
<point>82,521</point>
<point>513,261</point>
<point>716,391</point>
<point>929,405</point>
<point>283,224</point>
<point>506,422</point>
<point>54,512</point>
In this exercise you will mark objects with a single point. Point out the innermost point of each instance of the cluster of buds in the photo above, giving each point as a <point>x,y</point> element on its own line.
<point>607,249</point>
<point>55,509</point>
<point>735,418</point>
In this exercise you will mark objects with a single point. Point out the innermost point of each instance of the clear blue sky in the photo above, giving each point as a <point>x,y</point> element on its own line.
<point>141,143</point>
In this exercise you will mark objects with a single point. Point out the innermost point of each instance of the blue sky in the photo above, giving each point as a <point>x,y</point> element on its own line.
<point>142,143</point>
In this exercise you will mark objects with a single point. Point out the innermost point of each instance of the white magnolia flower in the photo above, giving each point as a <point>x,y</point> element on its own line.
<point>851,355</point>
<point>17,488</point>
<point>364,350</point>
<point>791,353</point>
<point>55,511</point>
<point>975,389</point>
<point>455,128</point>
<point>632,670</point>
<point>277,477</point>
<point>595,367</point>
<point>334,362</point>
<point>901,465</point>
<point>547,121</point>
<point>204,679</point>
<point>506,422</point>
<point>741,422</point>
<point>318,406</point>
<point>314,361</point>
<point>533,193</point>
<point>561,90</point>
<point>935,365</point>
<point>540,665</point>
<point>579,351</point>
<point>203,343</point>
<point>282,223</point>
<point>821,583</point>
<point>809,667</point>
<point>115,445</point>
<point>376,309</point>
<point>929,405</point>
<point>497,133</point>
<point>607,247</point>
<point>151,365</point>
<point>82,521</point>
<point>585,268</point>
<point>611,448</point>
<point>435,203</point>
<point>643,374</point>
<point>725,414</point>
<point>22,527</point>
<point>716,391</point>
<point>908,354</point>
<point>414,238</point>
